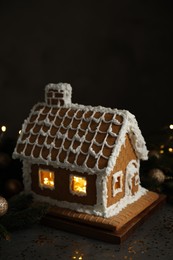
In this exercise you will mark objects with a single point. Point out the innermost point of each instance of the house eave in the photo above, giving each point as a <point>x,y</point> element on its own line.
<point>71,167</point>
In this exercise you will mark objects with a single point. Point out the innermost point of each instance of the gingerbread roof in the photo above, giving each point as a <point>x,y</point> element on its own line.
<point>77,137</point>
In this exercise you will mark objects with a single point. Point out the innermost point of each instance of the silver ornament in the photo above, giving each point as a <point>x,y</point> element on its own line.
<point>3,206</point>
<point>157,175</point>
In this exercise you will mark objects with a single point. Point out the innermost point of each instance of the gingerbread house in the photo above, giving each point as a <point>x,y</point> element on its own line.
<point>80,157</point>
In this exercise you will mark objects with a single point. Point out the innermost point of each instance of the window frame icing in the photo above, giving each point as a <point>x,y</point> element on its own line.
<point>132,171</point>
<point>115,176</point>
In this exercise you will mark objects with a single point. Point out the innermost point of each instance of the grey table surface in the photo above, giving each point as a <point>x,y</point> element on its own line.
<point>152,240</point>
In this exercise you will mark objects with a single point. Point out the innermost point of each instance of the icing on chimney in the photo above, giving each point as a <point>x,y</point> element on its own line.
<point>58,94</point>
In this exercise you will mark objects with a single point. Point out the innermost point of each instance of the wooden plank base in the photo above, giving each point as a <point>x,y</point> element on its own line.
<point>95,232</point>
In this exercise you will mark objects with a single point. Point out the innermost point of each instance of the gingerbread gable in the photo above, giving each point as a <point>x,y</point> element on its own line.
<point>76,137</point>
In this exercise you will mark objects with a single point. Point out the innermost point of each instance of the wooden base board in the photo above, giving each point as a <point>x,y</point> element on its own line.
<point>115,237</point>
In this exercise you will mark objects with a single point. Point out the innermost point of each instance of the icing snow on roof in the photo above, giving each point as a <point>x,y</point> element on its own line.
<point>77,137</point>
<point>86,138</point>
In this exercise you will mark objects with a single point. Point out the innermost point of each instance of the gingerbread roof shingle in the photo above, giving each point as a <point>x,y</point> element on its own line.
<point>77,137</point>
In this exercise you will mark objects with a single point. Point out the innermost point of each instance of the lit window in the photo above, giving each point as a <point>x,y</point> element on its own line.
<point>117,183</point>
<point>78,185</point>
<point>46,179</point>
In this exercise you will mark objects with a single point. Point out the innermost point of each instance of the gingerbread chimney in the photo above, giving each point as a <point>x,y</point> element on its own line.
<point>58,94</point>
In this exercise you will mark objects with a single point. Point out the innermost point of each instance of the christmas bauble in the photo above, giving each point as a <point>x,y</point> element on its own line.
<point>168,186</point>
<point>5,160</point>
<point>156,175</point>
<point>12,187</point>
<point>3,206</point>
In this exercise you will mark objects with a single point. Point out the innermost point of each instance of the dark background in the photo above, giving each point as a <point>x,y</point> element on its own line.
<point>114,53</point>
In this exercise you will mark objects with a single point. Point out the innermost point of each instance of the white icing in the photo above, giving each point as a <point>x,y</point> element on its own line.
<point>64,88</point>
<point>128,126</point>
<point>131,169</point>
<point>97,210</point>
<point>27,176</point>
<point>101,178</point>
<point>64,204</point>
<point>137,181</point>
<point>122,203</point>
<point>104,193</point>
<point>115,180</point>
<point>100,209</point>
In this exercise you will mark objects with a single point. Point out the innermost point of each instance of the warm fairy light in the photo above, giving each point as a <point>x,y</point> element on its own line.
<point>161,149</point>
<point>170,149</point>
<point>79,184</point>
<point>19,132</point>
<point>77,256</point>
<point>46,178</point>
<point>171,126</point>
<point>48,181</point>
<point>3,128</point>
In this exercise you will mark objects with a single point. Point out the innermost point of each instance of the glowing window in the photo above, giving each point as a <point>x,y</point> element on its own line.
<point>46,179</point>
<point>78,185</point>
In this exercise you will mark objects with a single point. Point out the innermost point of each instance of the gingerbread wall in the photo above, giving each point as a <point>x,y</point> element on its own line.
<point>127,154</point>
<point>62,183</point>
